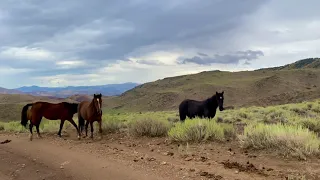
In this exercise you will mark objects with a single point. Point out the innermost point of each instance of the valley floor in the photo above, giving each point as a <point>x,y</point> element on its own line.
<point>119,156</point>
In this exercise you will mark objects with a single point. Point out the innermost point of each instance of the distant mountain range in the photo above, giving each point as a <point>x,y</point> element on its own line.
<point>63,92</point>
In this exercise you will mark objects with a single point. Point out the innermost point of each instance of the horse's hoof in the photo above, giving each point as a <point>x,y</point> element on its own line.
<point>30,138</point>
<point>78,137</point>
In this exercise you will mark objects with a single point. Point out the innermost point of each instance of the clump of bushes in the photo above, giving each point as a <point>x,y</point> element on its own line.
<point>111,125</point>
<point>288,140</point>
<point>13,126</point>
<point>311,123</point>
<point>197,130</point>
<point>148,127</point>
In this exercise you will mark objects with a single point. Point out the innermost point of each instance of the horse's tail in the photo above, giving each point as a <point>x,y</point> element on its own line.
<point>80,119</point>
<point>24,114</point>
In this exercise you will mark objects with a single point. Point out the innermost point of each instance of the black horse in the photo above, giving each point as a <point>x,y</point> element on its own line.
<point>202,109</point>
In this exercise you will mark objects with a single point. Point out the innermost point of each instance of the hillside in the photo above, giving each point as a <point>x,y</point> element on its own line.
<point>63,92</point>
<point>242,89</point>
<point>309,63</point>
<point>9,91</point>
<point>11,104</point>
<point>247,88</point>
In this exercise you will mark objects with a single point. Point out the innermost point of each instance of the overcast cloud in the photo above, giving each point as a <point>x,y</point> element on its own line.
<point>81,42</point>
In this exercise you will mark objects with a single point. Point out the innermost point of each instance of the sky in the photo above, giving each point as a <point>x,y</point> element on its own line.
<point>81,42</point>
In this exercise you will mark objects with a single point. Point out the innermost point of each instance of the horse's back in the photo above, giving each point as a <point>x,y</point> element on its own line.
<point>82,107</point>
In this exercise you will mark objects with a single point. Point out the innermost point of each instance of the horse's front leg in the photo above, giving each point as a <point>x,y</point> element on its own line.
<point>38,131</point>
<point>61,126</point>
<point>100,128</point>
<point>75,125</point>
<point>91,125</point>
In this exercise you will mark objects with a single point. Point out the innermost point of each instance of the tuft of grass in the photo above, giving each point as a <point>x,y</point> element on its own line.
<point>112,125</point>
<point>312,124</point>
<point>2,126</point>
<point>13,126</point>
<point>148,127</point>
<point>288,140</point>
<point>198,130</point>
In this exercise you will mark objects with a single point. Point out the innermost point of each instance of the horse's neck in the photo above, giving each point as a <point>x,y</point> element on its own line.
<point>92,107</point>
<point>212,102</point>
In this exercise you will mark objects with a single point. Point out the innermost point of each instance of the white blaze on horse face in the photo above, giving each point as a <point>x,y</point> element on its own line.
<point>98,104</point>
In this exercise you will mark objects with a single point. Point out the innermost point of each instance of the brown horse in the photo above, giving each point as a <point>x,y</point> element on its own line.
<point>90,111</point>
<point>63,111</point>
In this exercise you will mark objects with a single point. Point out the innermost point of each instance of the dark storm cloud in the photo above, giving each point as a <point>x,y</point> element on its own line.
<point>234,58</point>
<point>102,31</point>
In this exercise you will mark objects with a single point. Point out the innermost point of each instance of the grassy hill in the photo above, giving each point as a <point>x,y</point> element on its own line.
<point>291,83</point>
<point>309,63</point>
<point>11,104</point>
<point>262,87</point>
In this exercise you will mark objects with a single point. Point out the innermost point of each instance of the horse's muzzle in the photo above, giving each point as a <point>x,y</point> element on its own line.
<point>99,112</point>
<point>221,108</point>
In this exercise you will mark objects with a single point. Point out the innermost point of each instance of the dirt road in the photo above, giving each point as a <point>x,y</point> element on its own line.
<point>120,156</point>
<point>39,159</point>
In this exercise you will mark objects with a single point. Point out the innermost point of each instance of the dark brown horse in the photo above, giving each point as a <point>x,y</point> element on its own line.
<point>63,111</point>
<point>90,111</point>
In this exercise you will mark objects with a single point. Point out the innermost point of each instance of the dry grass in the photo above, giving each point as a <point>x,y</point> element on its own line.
<point>291,128</point>
<point>198,130</point>
<point>288,140</point>
<point>148,127</point>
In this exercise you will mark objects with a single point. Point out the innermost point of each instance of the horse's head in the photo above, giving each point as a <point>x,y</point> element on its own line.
<point>97,100</point>
<point>220,98</point>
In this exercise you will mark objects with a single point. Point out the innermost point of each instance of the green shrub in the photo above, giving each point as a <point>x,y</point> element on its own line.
<point>293,140</point>
<point>2,126</point>
<point>311,124</point>
<point>197,130</point>
<point>111,125</point>
<point>148,127</point>
<point>14,126</point>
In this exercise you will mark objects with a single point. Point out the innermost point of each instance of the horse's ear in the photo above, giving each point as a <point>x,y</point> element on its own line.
<point>222,92</point>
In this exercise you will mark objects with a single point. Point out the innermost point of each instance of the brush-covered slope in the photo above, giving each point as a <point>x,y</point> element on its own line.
<point>11,104</point>
<point>309,63</point>
<point>245,88</point>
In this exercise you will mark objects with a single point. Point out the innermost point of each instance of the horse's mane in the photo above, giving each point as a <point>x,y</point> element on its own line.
<point>211,101</point>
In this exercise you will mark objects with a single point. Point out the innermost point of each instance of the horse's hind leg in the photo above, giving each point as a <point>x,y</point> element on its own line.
<point>30,128</point>
<point>87,124</point>
<point>38,131</point>
<point>75,125</point>
<point>61,126</point>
